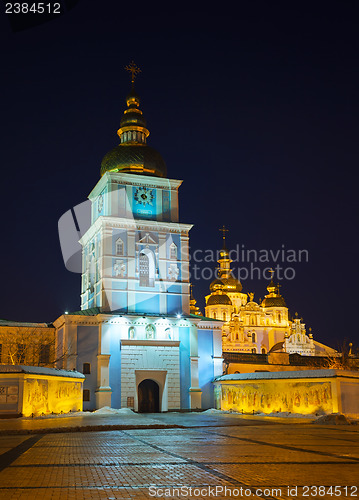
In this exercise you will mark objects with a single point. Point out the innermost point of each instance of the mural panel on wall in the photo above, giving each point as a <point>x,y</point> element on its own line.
<point>294,397</point>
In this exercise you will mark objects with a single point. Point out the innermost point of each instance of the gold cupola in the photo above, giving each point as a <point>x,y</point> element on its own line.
<point>231,284</point>
<point>274,298</point>
<point>133,155</point>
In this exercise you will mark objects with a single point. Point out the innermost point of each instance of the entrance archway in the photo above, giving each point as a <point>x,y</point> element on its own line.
<point>148,397</point>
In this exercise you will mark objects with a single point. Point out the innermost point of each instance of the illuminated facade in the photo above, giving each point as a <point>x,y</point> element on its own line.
<point>135,337</point>
<point>250,327</point>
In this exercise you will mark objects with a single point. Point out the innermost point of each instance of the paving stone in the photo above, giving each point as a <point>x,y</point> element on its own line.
<point>124,464</point>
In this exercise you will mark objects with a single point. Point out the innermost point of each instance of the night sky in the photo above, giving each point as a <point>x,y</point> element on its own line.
<point>255,107</point>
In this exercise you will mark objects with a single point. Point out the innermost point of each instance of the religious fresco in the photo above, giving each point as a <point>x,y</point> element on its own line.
<point>8,395</point>
<point>47,396</point>
<point>274,396</point>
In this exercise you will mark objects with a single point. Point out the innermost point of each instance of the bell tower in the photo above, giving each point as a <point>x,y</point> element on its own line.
<point>135,253</point>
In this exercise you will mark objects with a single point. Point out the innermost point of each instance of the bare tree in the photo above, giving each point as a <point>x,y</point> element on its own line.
<point>34,346</point>
<point>346,359</point>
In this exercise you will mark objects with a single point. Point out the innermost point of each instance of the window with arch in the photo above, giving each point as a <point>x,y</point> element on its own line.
<point>263,351</point>
<point>214,315</point>
<point>131,332</point>
<point>279,318</point>
<point>150,332</point>
<point>253,337</point>
<point>44,354</point>
<point>237,336</point>
<point>168,333</point>
<point>86,368</point>
<point>254,350</point>
<point>119,246</point>
<point>224,316</point>
<point>147,268</point>
<point>173,251</point>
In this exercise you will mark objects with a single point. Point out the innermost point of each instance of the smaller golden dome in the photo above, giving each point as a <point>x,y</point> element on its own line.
<point>231,285</point>
<point>219,299</point>
<point>216,284</point>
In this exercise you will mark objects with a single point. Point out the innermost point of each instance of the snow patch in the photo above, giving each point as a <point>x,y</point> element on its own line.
<point>106,410</point>
<point>333,419</point>
<point>214,411</point>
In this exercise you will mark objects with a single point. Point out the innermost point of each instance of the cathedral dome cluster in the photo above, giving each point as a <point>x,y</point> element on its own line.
<point>133,155</point>
<point>249,326</point>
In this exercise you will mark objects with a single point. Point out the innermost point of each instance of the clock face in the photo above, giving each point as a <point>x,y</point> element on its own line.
<point>144,196</point>
<point>100,203</point>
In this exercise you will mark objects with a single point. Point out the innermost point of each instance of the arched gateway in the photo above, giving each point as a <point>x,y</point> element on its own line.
<point>148,397</point>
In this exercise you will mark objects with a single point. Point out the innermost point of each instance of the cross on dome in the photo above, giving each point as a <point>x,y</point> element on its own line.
<point>133,69</point>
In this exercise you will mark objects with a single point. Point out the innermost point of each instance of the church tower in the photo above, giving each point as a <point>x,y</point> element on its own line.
<point>135,254</point>
<point>139,338</point>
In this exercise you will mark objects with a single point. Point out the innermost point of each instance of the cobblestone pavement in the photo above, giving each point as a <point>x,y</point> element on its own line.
<point>250,461</point>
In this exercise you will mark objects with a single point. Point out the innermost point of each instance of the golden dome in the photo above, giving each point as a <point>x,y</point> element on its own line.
<point>133,155</point>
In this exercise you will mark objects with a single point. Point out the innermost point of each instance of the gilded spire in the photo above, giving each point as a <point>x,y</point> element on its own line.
<point>224,230</point>
<point>193,309</point>
<point>133,155</point>
<point>271,287</point>
<point>133,128</point>
<point>224,272</point>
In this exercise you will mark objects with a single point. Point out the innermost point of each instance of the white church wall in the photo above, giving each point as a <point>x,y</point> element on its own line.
<point>152,358</point>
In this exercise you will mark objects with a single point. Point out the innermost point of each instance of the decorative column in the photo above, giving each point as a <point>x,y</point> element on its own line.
<point>103,391</point>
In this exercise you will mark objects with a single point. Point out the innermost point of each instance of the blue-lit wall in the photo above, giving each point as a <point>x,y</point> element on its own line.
<point>205,367</point>
<point>115,367</point>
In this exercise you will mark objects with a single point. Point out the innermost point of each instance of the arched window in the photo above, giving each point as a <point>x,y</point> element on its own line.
<point>254,350</point>
<point>44,355</point>
<point>147,268</point>
<point>214,315</point>
<point>253,337</point>
<point>86,368</point>
<point>131,332</point>
<point>173,251</point>
<point>279,318</point>
<point>150,332</point>
<point>92,274</point>
<point>263,351</point>
<point>168,333</point>
<point>237,336</point>
<point>224,316</point>
<point>144,270</point>
<point>119,247</point>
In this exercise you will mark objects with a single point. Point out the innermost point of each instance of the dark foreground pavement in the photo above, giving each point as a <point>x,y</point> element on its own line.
<point>93,422</point>
<point>205,456</point>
